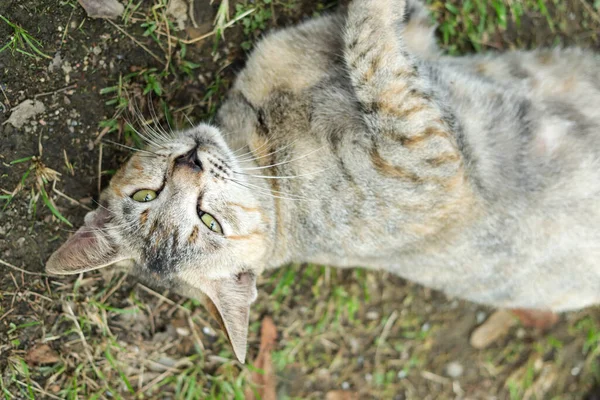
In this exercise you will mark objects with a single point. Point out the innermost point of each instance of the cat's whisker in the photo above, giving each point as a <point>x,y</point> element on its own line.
<point>251,151</point>
<point>158,127</point>
<point>146,125</point>
<point>271,191</point>
<point>283,162</point>
<point>132,148</point>
<point>266,192</point>
<point>103,207</point>
<point>122,226</point>
<point>283,177</point>
<point>250,157</point>
<point>137,113</point>
<point>145,138</point>
<point>188,120</point>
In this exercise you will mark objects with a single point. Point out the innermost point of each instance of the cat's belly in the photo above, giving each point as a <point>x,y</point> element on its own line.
<point>558,273</point>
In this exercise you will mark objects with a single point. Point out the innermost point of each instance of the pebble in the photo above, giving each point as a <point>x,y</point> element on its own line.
<point>454,369</point>
<point>207,331</point>
<point>372,315</point>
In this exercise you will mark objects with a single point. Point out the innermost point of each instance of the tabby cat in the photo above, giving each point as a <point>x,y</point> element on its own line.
<point>349,140</point>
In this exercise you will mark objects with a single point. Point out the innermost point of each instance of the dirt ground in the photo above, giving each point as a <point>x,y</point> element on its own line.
<point>341,334</point>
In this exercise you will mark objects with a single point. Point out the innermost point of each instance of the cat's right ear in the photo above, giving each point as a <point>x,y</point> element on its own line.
<point>88,249</point>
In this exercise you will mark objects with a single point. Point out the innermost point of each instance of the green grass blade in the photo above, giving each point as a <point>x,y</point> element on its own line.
<point>20,160</point>
<point>51,207</point>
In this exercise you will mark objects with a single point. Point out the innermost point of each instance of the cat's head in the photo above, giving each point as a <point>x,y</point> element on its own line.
<point>182,211</point>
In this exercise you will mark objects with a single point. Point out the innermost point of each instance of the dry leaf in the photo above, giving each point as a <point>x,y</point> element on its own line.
<point>538,319</point>
<point>495,327</point>
<point>42,354</point>
<point>341,395</point>
<point>102,8</point>
<point>266,383</point>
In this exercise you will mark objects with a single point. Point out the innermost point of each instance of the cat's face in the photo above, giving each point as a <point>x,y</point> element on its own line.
<point>182,212</point>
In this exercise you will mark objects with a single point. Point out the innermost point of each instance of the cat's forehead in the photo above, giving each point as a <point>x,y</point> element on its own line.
<point>140,169</point>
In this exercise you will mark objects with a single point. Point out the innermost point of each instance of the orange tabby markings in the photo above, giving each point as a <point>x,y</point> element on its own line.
<point>144,216</point>
<point>194,235</point>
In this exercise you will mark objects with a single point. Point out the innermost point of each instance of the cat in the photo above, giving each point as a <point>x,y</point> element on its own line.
<point>350,140</point>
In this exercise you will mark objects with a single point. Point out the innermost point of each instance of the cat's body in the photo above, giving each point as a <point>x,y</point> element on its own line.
<point>519,228</point>
<point>356,144</point>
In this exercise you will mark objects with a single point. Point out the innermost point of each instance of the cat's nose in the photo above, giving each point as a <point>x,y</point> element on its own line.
<point>190,160</point>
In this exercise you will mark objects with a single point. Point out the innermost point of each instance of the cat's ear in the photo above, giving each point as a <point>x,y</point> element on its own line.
<point>228,300</point>
<point>88,249</point>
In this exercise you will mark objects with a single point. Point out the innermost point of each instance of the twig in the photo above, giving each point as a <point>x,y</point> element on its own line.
<point>191,13</point>
<point>5,97</point>
<point>169,49</point>
<point>590,10</point>
<point>62,40</point>
<point>153,382</point>
<point>147,50</point>
<point>171,302</point>
<point>209,34</point>
<point>104,131</point>
<point>113,289</point>
<point>20,269</point>
<point>196,336</point>
<point>385,333</point>
<point>37,390</point>
<point>430,376</point>
<point>61,194</point>
<point>100,168</point>
<point>6,313</point>
<point>41,296</point>
<point>55,91</point>
<point>71,315</point>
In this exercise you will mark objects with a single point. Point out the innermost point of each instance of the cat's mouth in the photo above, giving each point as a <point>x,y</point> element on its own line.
<point>190,160</point>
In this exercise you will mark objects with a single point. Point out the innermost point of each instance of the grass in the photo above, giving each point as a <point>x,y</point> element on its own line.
<point>22,42</point>
<point>42,177</point>
<point>356,330</point>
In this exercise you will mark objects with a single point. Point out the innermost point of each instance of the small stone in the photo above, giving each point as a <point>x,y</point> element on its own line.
<point>102,8</point>
<point>372,315</point>
<point>454,369</point>
<point>182,331</point>
<point>24,112</point>
<point>207,331</point>
<point>402,374</point>
<point>345,385</point>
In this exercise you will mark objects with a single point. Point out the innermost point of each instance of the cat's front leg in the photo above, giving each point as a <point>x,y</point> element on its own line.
<point>413,136</point>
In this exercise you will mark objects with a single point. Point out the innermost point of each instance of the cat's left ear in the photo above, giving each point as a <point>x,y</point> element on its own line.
<point>89,248</point>
<point>228,300</point>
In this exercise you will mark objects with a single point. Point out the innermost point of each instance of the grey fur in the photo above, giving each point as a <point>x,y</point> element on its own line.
<point>478,176</point>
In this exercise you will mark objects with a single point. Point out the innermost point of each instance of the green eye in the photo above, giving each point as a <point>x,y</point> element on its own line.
<point>144,195</point>
<point>211,223</point>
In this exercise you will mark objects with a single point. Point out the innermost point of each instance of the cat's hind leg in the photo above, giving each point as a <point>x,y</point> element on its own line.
<point>418,30</point>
